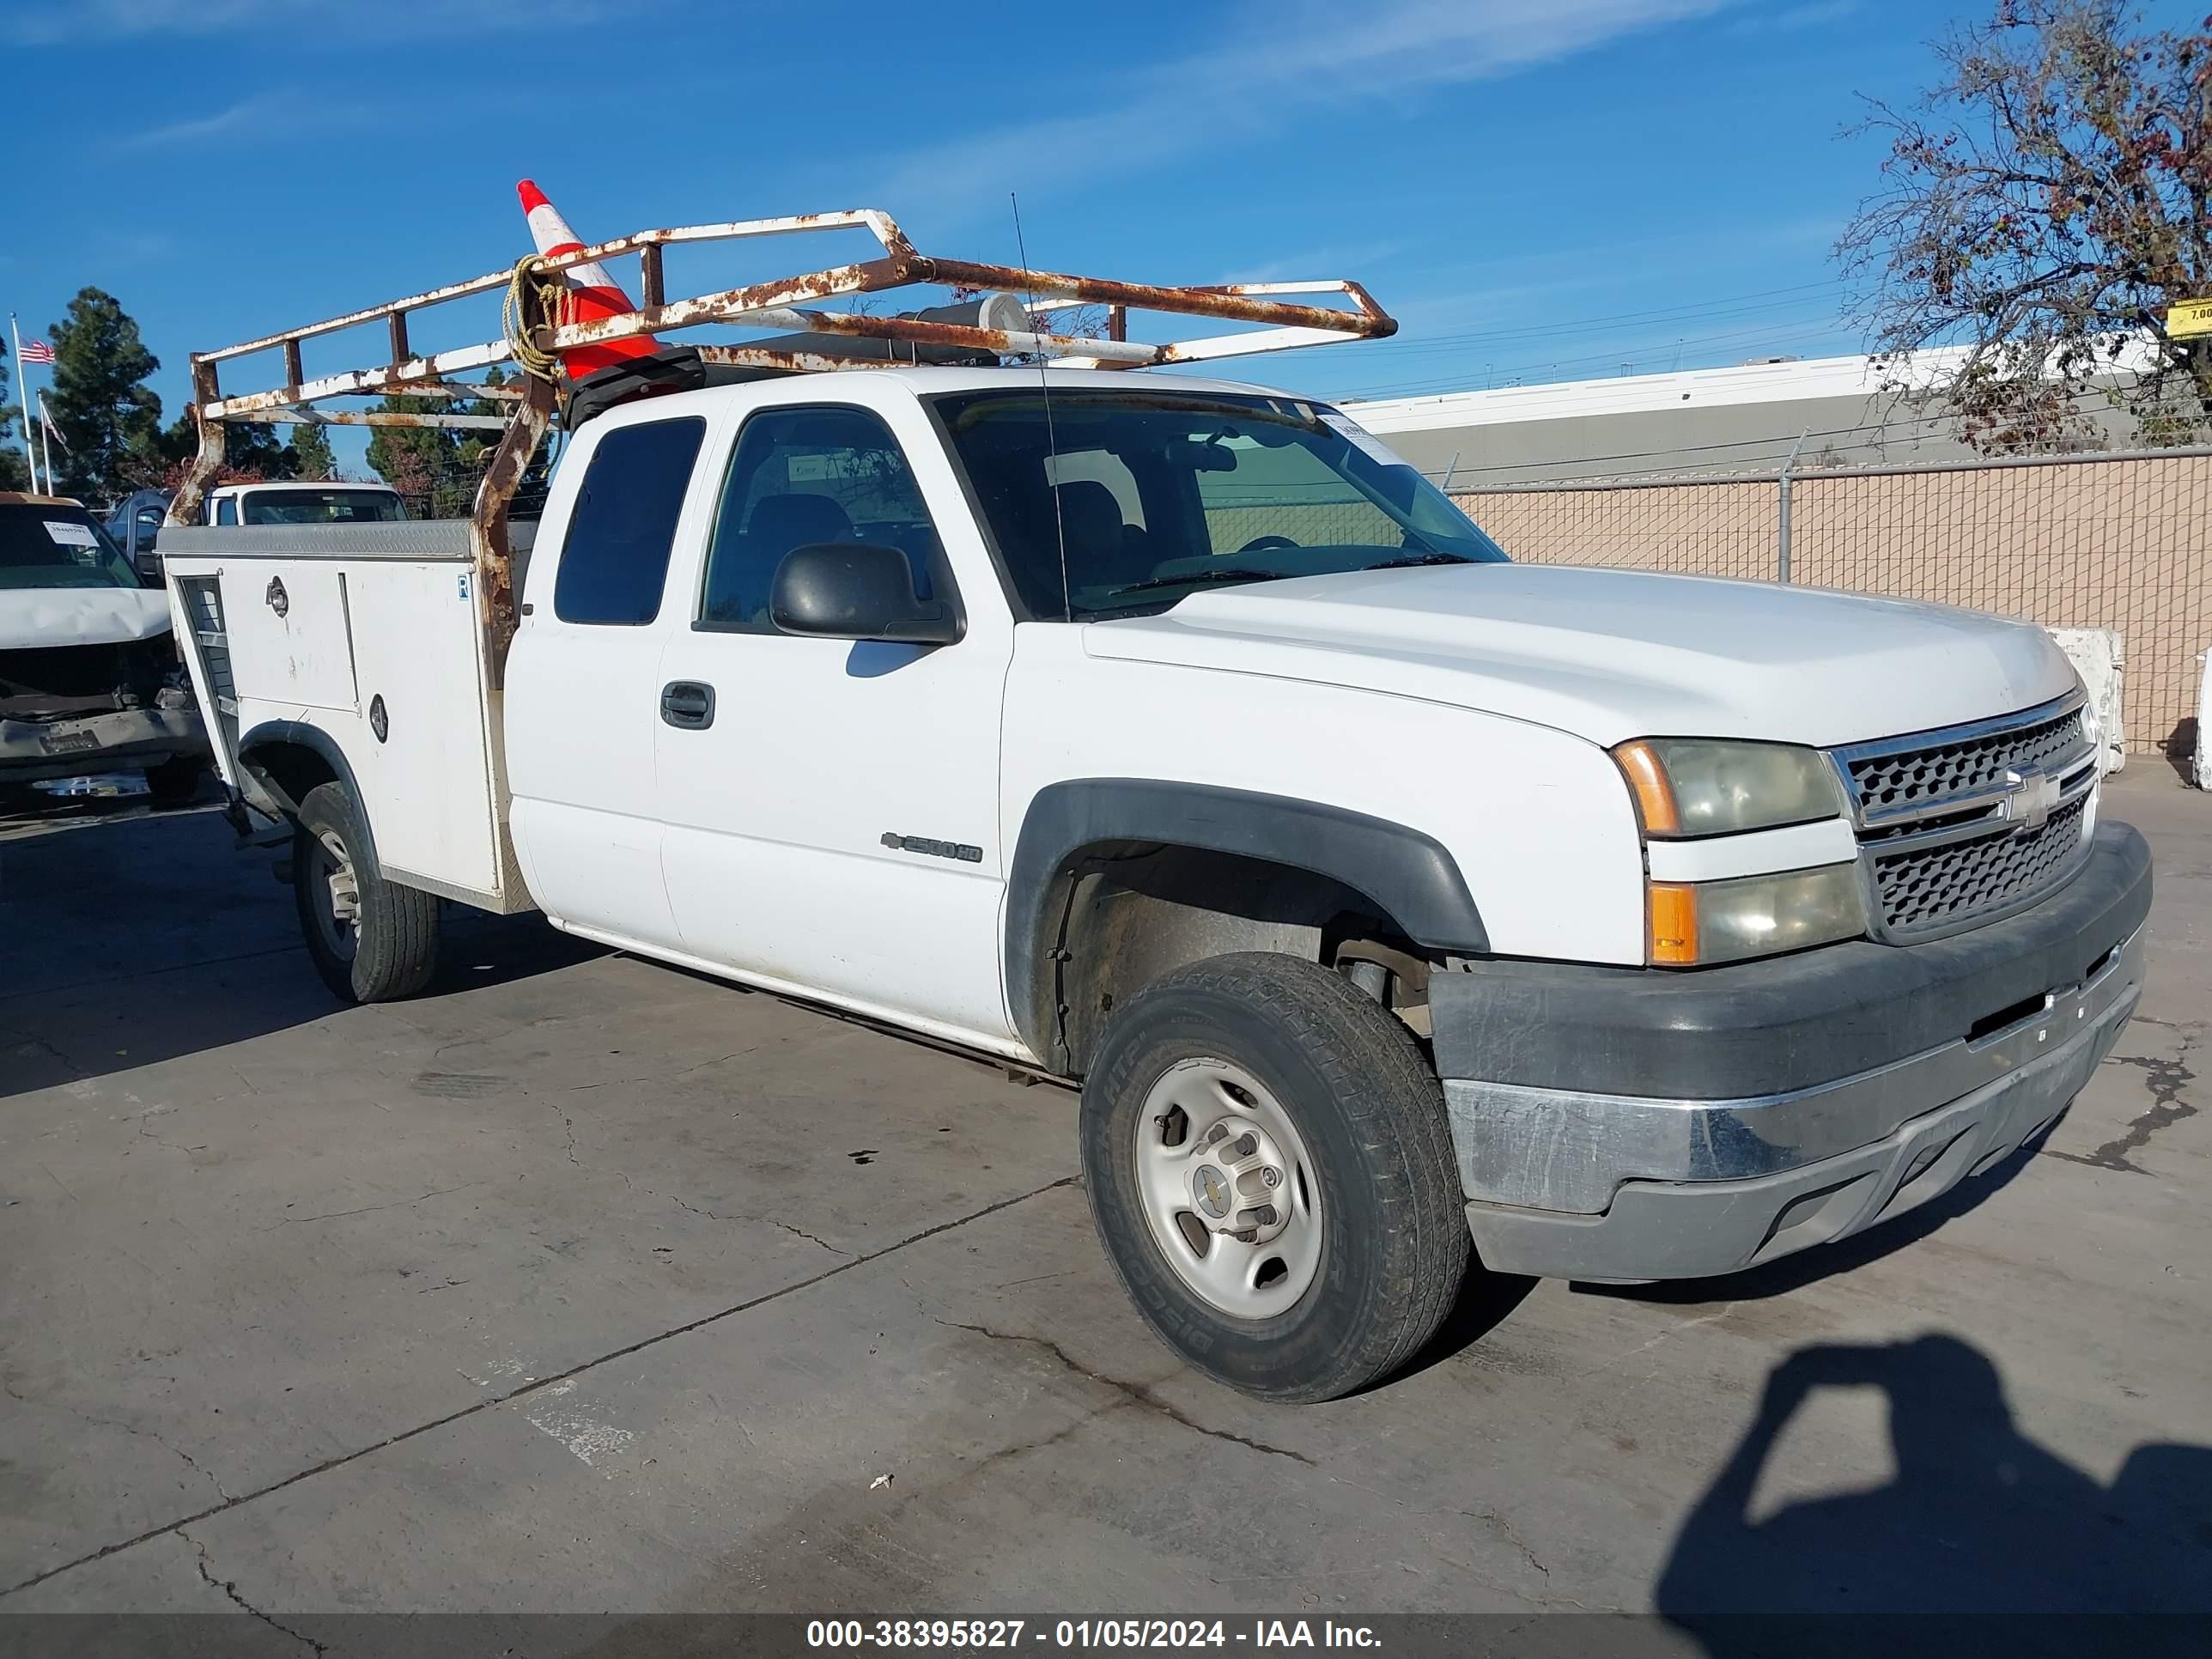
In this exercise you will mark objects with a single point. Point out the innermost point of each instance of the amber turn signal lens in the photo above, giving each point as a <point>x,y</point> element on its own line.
<point>1655,796</point>
<point>1673,922</point>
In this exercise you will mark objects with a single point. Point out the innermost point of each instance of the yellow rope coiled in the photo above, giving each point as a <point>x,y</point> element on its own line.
<point>555,302</point>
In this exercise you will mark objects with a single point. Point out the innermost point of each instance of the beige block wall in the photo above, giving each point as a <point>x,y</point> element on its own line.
<point>2104,543</point>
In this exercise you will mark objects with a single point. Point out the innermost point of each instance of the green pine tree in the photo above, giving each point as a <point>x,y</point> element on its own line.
<point>310,456</point>
<point>422,463</point>
<point>104,411</point>
<point>248,446</point>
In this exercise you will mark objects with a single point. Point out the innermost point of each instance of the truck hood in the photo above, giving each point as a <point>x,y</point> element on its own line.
<point>36,619</point>
<point>1614,655</point>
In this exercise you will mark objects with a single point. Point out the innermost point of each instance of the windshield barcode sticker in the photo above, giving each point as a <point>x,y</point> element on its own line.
<point>65,534</point>
<point>1360,439</point>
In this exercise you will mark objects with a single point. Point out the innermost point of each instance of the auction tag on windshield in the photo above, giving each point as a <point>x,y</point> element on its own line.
<point>65,534</point>
<point>1360,439</point>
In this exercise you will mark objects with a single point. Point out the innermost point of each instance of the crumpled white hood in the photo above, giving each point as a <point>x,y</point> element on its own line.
<point>34,618</point>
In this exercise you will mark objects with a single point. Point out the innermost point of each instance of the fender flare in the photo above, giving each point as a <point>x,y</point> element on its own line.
<point>1407,874</point>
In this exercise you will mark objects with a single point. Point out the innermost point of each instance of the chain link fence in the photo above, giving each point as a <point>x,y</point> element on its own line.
<point>2100,541</point>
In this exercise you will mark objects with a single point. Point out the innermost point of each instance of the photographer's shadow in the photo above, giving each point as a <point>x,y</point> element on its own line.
<point>1979,1520</point>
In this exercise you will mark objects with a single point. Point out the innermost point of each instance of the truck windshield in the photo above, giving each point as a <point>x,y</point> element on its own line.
<point>49,546</point>
<point>322,506</point>
<point>1154,494</point>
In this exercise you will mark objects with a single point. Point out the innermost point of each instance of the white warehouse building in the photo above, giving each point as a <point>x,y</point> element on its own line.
<point>1746,418</point>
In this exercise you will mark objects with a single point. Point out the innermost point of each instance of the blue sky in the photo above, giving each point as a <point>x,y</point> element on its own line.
<point>1537,189</point>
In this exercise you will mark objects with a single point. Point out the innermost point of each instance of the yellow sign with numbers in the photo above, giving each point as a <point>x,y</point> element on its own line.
<point>2188,319</point>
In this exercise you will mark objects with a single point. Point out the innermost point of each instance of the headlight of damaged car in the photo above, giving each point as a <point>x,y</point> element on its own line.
<point>1691,787</point>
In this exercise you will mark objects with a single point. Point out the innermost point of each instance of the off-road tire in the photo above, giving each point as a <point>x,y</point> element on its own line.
<point>396,930</point>
<point>1368,1108</point>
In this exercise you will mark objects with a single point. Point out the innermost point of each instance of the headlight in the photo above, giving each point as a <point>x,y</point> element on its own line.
<point>1687,787</point>
<point>1696,924</point>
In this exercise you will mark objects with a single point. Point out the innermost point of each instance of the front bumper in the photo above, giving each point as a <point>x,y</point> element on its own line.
<point>34,749</point>
<point>1617,1125</point>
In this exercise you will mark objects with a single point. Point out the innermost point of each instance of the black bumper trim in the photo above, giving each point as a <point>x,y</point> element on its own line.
<point>1759,1027</point>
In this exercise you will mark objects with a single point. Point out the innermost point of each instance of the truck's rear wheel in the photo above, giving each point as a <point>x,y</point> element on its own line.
<point>1272,1174</point>
<point>372,940</point>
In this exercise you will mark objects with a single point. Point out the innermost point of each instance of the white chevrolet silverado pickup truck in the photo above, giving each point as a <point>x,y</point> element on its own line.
<point>1388,900</point>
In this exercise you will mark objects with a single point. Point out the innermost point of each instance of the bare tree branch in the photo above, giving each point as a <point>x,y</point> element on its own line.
<point>2041,204</point>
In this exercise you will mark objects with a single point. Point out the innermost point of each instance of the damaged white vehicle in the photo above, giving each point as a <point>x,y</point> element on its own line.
<point>93,699</point>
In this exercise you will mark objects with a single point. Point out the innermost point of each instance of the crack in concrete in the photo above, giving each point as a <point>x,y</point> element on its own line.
<point>145,1132</point>
<point>731,1215</point>
<point>1136,1394</point>
<point>532,1386</point>
<point>79,1072</point>
<point>569,1124</point>
<point>229,1588</point>
<point>2166,1079</point>
<point>660,1077</point>
<point>569,1128</point>
<point>82,1416</point>
<point>370,1209</point>
<point>1496,1522</point>
<point>1504,1529</point>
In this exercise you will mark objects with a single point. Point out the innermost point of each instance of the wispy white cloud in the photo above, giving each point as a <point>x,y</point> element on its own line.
<point>1785,20</point>
<point>1287,63</point>
<point>263,111</point>
<point>1332,260</point>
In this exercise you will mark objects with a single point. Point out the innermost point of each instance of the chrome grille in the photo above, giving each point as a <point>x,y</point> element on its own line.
<point>1967,823</point>
<point>1921,777</point>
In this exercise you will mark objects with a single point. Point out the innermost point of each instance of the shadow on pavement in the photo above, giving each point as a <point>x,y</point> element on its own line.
<point>1979,1519</point>
<point>128,943</point>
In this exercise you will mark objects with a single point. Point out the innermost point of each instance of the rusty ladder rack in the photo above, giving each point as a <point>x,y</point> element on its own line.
<point>770,305</point>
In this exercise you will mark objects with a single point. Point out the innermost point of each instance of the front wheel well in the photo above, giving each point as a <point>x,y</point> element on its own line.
<point>1124,913</point>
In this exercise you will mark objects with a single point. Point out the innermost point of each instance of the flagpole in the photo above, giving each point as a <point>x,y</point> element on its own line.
<point>23,397</point>
<point>46,440</point>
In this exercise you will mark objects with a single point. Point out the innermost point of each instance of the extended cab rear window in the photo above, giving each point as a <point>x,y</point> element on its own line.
<point>614,560</point>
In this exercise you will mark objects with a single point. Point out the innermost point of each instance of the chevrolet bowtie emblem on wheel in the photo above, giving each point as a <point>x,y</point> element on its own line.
<point>2034,792</point>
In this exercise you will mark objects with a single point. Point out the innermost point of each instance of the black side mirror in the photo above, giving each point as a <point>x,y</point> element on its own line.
<point>857,590</point>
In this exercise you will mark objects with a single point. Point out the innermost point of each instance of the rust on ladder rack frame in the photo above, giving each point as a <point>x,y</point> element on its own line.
<point>487,521</point>
<point>1285,312</point>
<point>192,490</point>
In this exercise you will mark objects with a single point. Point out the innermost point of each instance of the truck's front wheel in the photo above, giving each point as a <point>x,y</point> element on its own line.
<point>1271,1172</point>
<point>372,940</point>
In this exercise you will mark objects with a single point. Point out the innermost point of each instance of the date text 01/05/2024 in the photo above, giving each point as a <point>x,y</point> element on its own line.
<point>957,1634</point>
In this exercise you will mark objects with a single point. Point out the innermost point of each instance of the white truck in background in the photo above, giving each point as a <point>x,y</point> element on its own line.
<point>1394,905</point>
<point>301,501</point>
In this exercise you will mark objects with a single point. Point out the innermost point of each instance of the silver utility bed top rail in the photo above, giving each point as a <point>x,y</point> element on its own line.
<point>540,326</point>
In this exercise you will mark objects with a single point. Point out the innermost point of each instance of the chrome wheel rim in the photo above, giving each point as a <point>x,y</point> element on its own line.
<point>337,893</point>
<point>1229,1194</point>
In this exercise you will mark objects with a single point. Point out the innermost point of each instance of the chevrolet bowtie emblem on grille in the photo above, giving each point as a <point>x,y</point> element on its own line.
<point>2034,792</point>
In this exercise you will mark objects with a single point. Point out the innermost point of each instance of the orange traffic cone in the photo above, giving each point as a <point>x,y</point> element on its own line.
<point>593,292</point>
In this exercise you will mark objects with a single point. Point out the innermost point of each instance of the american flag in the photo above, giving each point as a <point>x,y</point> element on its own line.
<point>37,351</point>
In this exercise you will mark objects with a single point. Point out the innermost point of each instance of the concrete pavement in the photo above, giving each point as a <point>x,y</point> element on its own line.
<point>584,1285</point>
